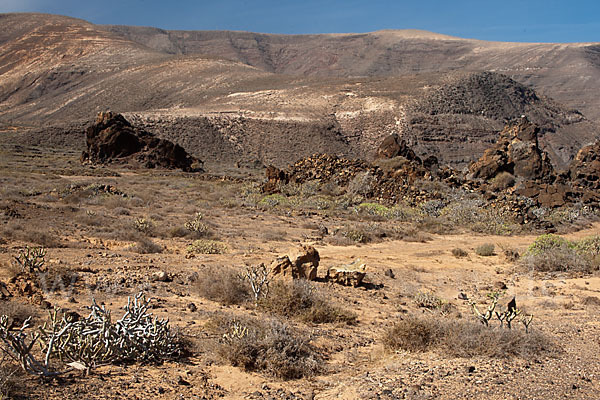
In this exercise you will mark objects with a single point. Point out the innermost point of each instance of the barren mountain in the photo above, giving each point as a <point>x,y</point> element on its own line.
<point>229,96</point>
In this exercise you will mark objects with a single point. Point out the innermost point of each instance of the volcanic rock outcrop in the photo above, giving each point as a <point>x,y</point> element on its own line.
<point>517,152</point>
<point>113,139</point>
<point>584,171</point>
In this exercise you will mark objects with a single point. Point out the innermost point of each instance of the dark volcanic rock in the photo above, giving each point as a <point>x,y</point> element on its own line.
<point>112,138</point>
<point>585,169</point>
<point>517,152</point>
<point>392,147</point>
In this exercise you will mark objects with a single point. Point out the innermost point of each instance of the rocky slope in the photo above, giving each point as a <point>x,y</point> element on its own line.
<point>57,73</point>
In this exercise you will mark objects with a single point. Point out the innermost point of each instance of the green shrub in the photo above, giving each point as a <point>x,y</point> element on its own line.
<point>546,242</point>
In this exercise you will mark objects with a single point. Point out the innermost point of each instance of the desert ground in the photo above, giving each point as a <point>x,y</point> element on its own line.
<point>95,249</point>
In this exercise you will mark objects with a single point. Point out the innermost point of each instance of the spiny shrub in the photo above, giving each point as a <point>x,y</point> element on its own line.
<point>224,285</point>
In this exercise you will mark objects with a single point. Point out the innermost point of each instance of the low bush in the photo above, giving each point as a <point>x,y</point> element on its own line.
<point>223,285</point>
<point>268,346</point>
<point>461,338</point>
<point>553,253</point>
<point>146,246</point>
<point>459,253</point>
<point>204,246</point>
<point>300,299</point>
<point>485,250</point>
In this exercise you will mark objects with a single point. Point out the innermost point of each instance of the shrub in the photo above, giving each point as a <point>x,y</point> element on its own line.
<point>143,225</point>
<point>485,250</point>
<point>502,181</point>
<point>196,227</point>
<point>549,253</point>
<point>547,242</point>
<point>16,311</point>
<point>459,253</point>
<point>223,285</point>
<point>300,299</point>
<point>146,246</point>
<point>203,246</point>
<point>458,338</point>
<point>269,346</point>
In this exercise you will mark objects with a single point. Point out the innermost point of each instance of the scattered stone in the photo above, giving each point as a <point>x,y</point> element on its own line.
<point>389,273</point>
<point>192,307</point>
<point>161,276</point>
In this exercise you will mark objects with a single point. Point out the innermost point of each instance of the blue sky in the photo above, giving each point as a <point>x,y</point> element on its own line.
<point>503,20</point>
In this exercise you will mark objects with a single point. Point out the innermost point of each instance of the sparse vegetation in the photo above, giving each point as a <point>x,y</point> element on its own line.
<point>269,346</point>
<point>224,285</point>
<point>459,253</point>
<point>552,253</point>
<point>204,246</point>
<point>485,250</point>
<point>301,300</point>
<point>460,338</point>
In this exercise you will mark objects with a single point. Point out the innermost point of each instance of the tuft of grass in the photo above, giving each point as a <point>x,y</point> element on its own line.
<point>301,300</point>
<point>204,246</point>
<point>461,338</point>
<point>485,250</point>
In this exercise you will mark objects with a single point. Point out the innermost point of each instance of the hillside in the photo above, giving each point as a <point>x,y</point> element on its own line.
<point>233,96</point>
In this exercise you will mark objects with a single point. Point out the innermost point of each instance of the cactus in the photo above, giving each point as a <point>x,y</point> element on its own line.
<point>526,321</point>
<point>259,278</point>
<point>489,313</point>
<point>31,259</point>
<point>94,340</point>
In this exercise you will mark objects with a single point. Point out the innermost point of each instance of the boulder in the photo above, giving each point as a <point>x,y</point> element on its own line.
<point>348,275</point>
<point>275,177</point>
<point>584,170</point>
<point>113,139</point>
<point>517,152</point>
<point>302,264</point>
<point>392,146</point>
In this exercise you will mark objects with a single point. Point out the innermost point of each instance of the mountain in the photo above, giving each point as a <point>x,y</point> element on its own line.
<point>228,96</point>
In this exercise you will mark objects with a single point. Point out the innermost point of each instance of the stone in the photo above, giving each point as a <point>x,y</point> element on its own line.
<point>301,264</point>
<point>392,146</point>
<point>348,275</point>
<point>113,139</point>
<point>389,273</point>
<point>517,152</point>
<point>160,276</point>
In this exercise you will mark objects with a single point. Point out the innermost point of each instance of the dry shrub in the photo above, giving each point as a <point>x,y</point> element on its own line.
<point>12,379</point>
<point>559,259</point>
<point>268,346</point>
<point>203,246</point>
<point>17,311</point>
<point>459,253</point>
<point>485,250</point>
<point>58,278</point>
<point>502,181</point>
<point>146,246</point>
<point>432,302</point>
<point>223,285</point>
<point>300,299</point>
<point>461,338</point>
<point>30,233</point>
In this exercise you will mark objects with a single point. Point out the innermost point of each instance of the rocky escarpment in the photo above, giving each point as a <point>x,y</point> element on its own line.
<point>113,139</point>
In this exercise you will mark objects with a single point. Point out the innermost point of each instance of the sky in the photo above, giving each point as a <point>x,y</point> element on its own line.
<point>501,20</point>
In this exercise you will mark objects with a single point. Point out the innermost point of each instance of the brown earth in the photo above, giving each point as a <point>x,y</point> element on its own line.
<point>87,215</point>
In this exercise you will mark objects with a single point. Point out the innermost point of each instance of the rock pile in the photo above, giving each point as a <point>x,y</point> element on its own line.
<point>517,152</point>
<point>113,139</point>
